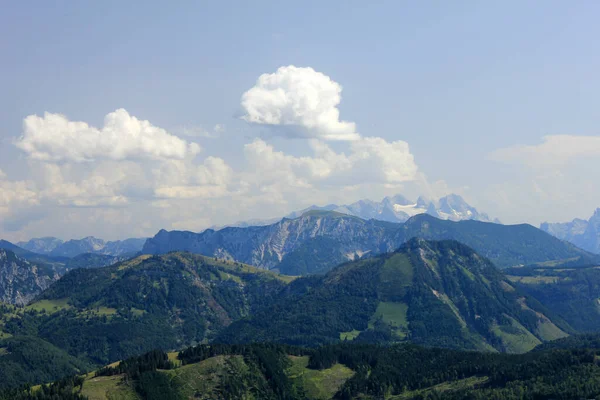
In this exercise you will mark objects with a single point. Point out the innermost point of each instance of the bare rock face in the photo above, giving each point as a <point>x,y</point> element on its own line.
<point>267,246</point>
<point>20,280</point>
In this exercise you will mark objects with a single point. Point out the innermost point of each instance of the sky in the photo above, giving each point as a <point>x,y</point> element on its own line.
<point>118,119</point>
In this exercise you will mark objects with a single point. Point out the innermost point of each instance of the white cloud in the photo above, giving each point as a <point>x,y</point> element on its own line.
<point>53,137</point>
<point>18,193</point>
<point>379,160</point>
<point>554,180</point>
<point>141,178</point>
<point>555,150</point>
<point>190,192</point>
<point>298,97</point>
<point>101,187</point>
<point>208,180</point>
<point>200,132</point>
<point>371,160</point>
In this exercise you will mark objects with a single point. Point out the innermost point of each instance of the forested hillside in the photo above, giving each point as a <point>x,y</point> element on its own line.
<point>344,371</point>
<point>571,293</point>
<point>432,293</point>
<point>105,314</point>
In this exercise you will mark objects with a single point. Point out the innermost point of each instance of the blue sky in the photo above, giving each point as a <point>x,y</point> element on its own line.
<point>471,88</point>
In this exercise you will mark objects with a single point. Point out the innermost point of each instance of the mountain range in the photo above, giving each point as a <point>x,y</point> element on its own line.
<point>58,248</point>
<point>318,240</point>
<point>399,209</point>
<point>437,293</point>
<point>391,209</point>
<point>582,233</point>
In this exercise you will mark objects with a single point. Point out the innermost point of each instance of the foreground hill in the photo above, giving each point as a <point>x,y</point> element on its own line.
<point>105,314</point>
<point>344,371</point>
<point>431,293</point>
<point>319,240</point>
<point>29,359</point>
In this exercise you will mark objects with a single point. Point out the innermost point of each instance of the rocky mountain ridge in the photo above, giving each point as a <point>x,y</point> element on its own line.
<point>323,239</point>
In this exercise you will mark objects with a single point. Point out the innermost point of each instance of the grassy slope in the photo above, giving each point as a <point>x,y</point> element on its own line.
<point>108,388</point>
<point>318,384</point>
<point>203,380</point>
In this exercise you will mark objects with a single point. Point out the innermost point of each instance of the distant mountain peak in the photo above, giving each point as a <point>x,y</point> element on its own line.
<point>580,232</point>
<point>398,208</point>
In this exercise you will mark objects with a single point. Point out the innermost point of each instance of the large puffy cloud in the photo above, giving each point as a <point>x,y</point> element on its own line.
<point>301,98</point>
<point>54,137</point>
<point>554,150</point>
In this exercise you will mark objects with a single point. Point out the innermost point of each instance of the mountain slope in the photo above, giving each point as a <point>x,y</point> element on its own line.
<point>20,280</point>
<point>582,233</point>
<point>92,260</point>
<point>505,245</point>
<point>571,293</point>
<point>432,293</point>
<point>109,313</point>
<point>27,359</point>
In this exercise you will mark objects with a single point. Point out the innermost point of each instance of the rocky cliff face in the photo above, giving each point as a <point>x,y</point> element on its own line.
<point>20,280</point>
<point>582,233</point>
<point>267,246</point>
